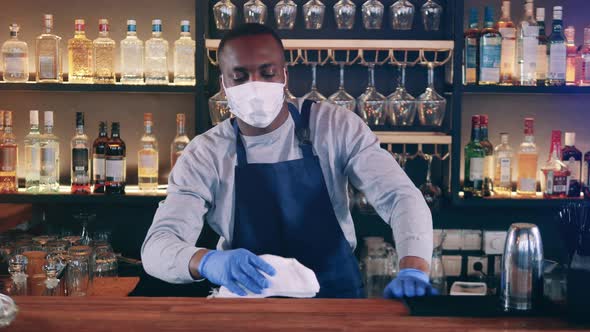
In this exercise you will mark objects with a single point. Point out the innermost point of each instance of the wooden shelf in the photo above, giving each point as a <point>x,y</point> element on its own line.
<point>515,203</point>
<point>356,44</point>
<point>400,137</point>
<point>67,87</point>
<point>494,89</point>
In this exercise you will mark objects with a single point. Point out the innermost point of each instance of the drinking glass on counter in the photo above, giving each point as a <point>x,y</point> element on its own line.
<point>285,14</point>
<point>341,97</point>
<point>17,267</point>
<point>78,270</point>
<point>431,14</point>
<point>437,271</point>
<point>105,262</point>
<point>225,13</point>
<point>8,310</point>
<point>373,11</point>
<point>401,106</point>
<point>313,14</point>
<point>371,103</point>
<point>219,107</point>
<point>378,268</point>
<point>431,105</point>
<point>345,14</point>
<point>314,94</point>
<point>402,15</point>
<point>255,12</point>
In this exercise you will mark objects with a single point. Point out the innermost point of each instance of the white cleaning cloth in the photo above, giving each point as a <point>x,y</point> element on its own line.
<point>292,279</point>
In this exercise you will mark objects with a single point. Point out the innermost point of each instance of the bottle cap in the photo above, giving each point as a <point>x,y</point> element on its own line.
<point>103,25</point>
<point>80,24</point>
<point>131,22</point>
<point>556,136</point>
<point>529,126</point>
<point>157,22</point>
<point>557,13</point>
<point>473,17</point>
<point>7,118</point>
<point>570,139</point>
<point>48,20</point>
<point>483,120</point>
<point>48,118</point>
<point>157,25</point>
<point>540,14</point>
<point>475,121</point>
<point>147,117</point>
<point>489,14</point>
<point>570,33</point>
<point>180,117</point>
<point>185,26</point>
<point>79,119</point>
<point>185,22</point>
<point>34,117</point>
<point>115,126</point>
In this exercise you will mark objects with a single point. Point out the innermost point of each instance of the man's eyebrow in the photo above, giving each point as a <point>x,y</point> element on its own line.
<point>266,65</point>
<point>241,69</point>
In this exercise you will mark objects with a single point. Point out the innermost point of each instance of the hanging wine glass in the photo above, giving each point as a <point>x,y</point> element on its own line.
<point>371,104</point>
<point>401,106</point>
<point>431,105</point>
<point>402,15</point>
<point>290,97</point>
<point>286,14</point>
<point>314,94</point>
<point>219,108</point>
<point>373,11</point>
<point>341,97</point>
<point>430,191</point>
<point>431,14</point>
<point>255,12</point>
<point>224,13</point>
<point>313,12</point>
<point>345,14</point>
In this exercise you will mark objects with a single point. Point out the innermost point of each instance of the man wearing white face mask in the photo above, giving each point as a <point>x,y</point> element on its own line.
<point>274,181</point>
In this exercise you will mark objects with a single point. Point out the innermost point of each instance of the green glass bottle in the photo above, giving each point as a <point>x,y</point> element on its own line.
<point>474,162</point>
<point>488,171</point>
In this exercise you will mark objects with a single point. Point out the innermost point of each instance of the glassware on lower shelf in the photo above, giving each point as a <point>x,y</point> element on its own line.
<point>78,270</point>
<point>285,14</point>
<point>313,14</point>
<point>224,12</point>
<point>371,103</point>
<point>431,105</point>
<point>378,267</point>
<point>219,108</point>
<point>437,272</point>
<point>401,106</point>
<point>8,310</point>
<point>431,14</point>
<point>17,267</point>
<point>402,15</point>
<point>345,14</point>
<point>431,192</point>
<point>373,11</point>
<point>341,97</point>
<point>105,262</point>
<point>314,94</point>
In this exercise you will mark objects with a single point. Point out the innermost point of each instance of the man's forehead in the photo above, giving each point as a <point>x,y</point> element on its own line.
<point>252,50</point>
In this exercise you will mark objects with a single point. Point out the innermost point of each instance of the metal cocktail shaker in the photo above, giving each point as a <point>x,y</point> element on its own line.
<point>522,268</point>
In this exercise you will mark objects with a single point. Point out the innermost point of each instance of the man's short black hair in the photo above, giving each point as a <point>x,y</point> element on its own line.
<point>248,29</point>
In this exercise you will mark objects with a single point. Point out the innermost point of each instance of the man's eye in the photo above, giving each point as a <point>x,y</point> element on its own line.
<point>268,75</point>
<point>240,79</point>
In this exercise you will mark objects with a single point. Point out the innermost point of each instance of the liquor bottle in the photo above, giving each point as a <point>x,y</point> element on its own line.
<point>503,159</point>
<point>572,157</point>
<point>488,171</point>
<point>490,48</point>
<point>115,157</point>
<point>15,57</point>
<point>556,175</point>
<point>184,56</point>
<point>557,50</point>
<point>104,55</point>
<point>49,157</point>
<point>507,29</point>
<point>156,57</point>
<point>99,148</point>
<point>80,56</point>
<point>527,162</point>
<point>526,47</point>
<point>1,125</point>
<point>542,49</point>
<point>48,54</point>
<point>571,55</point>
<point>474,162</point>
<point>471,56</point>
<point>132,56</point>
<point>585,59</point>
<point>8,157</point>
<point>33,154</point>
<point>180,141</point>
<point>80,158</point>
<point>147,158</point>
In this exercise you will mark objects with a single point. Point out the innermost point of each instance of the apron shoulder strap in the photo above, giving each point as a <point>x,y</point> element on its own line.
<point>302,130</point>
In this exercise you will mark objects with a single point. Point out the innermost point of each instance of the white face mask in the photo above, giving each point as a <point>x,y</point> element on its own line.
<point>256,103</point>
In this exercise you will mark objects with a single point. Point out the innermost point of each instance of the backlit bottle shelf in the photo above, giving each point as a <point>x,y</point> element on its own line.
<point>515,202</point>
<point>401,137</point>
<point>496,89</point>
<point>71,87</point>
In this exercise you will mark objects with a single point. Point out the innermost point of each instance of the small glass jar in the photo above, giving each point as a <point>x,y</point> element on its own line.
<point>8,310</point>
<point>78,270</point>
<point>105,262</point>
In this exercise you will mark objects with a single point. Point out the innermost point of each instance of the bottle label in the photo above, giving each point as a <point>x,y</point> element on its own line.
<point>80,160</point>
<point>47,67</point>
<point>148,161</point>
<point>490,60</point>
<point>470,60</point>
<point>557,183</point>
<point>505,172</point>
<point>476,169</point>
<point>48,161</point>
<point>8,159</point>
<point>33,158</point>
<point>98,168</point>
<point>529,44</point>
<point>557,62</point>
<point>508,49</point>
<point>115,170</point>
<point>15,63</point>
<point>542,65</point>
<point>574,167</point>
<point>528,185</point>
<point>586,69</point>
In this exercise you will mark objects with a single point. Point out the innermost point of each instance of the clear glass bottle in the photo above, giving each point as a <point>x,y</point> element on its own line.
<point>52,287</point>
<point>104,55</point>
<point>490,48</point>
<point>116,162</point>
<point>557,51</point>
<point>180,141</point>
<point>527,41</point>
<point>507,30</point>
<point>80,54</point>
<point>49,157</point>
<point>225,12</point>
<point>9,157</point>
<point>285,14</point>
<point>132,56</point>
<point>585,59</point>
<point>99,149</point>
<point>17,267</point>
<point>556,174</point>
<point>402,15</point>
<point>488,171</point>
<point>255,11</point>
<point>503,164</point>
<point>571,55</point>
<point>219,108</point>
<point>48,54</point>
<point>371,104</point>
<point>471,56</point>
<point>15,58</point>
<point>345,14</point>
<point>313,14</point>
<point>474,162</point>
<point>156,57</point>
<point>373,12</point>
<point>527,162</point>
<point>572,158</point>
<point>542,49</point>
<point>80,158</point>
<point>33,154</point>
<point>147,158</point>
<point>341,97</point>
<point>184,56</point>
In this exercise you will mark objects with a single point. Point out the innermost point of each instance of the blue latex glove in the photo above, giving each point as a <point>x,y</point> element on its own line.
<point>236,268</point>
<point>409,283</point>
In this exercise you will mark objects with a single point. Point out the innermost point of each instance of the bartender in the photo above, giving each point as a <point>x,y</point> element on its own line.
<point>274,180</point>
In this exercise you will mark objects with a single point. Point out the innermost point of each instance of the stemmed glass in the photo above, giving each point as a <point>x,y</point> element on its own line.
<point>401,106</point>
<point>314,94</point>
<point>341,97</point>
<point>431,105</point>
<point>402,15</point>
<point>225,13</point>
<point>431,14</point>
<point>345,14</point>
<point>219,108</point>
<point>313,12</point>
<point>371,103</point>
<point>373,11</point>
<point>430,191</point>
<point>286,14</point>
<point>255,12</point>
<point>290,97</point>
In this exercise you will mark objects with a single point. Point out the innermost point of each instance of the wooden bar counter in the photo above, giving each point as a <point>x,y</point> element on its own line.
<point>60,314</point>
